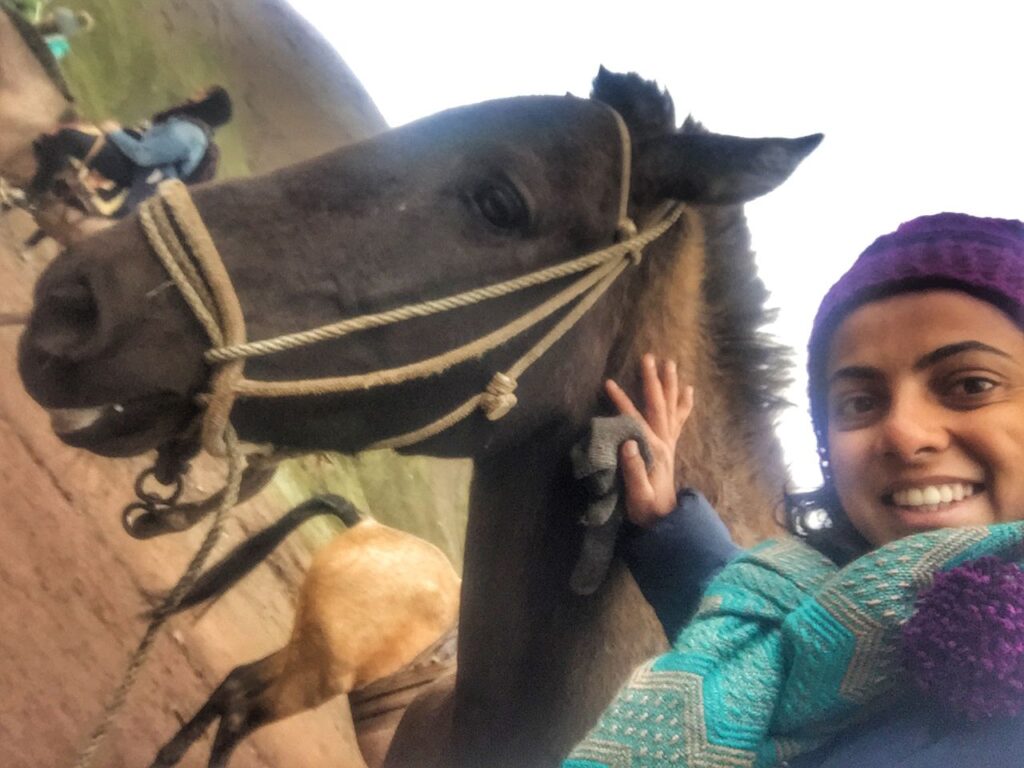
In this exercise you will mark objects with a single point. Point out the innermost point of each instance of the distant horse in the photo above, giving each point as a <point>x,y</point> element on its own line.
<point>33,95</point>
<point>372,602</point>
<point>471,197</point>
<point>34,100</point>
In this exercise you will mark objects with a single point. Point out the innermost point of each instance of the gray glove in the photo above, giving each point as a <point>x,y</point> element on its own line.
<point>595,461</point>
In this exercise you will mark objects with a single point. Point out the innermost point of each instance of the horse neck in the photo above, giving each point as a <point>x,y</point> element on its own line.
<point>728,449</point>
<point>537,664</point>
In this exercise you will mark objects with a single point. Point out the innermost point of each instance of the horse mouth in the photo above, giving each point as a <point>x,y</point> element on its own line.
<point>67,421</point>
<point>122,429</point>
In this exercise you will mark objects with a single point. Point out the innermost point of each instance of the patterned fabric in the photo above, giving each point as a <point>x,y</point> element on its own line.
<point>785,652</point>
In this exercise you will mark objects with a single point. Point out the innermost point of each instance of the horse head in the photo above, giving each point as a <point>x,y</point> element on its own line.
<point>466,198</point>
<point>514,220</point>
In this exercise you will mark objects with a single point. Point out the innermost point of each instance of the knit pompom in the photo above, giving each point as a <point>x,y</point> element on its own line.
<point>964,644</point>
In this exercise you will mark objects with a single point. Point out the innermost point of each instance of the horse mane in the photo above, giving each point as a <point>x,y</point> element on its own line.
<point>39,48</point>
<point>707,310</point>
<point>751,361</point>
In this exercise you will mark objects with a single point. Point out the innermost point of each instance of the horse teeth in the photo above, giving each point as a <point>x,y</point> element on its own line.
<point>67,420</point>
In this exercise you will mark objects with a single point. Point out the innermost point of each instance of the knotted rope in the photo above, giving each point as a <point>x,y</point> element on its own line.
<point>176,233</point>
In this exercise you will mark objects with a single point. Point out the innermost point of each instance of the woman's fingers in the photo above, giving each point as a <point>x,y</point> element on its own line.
<point>639,491</point>
<point>666,405</point>
<point>621,400</point>
<point>625,405</point>
<point>670,383</point>
<point>654,395</point>
<point>650,490</point>
<point>684,408</point>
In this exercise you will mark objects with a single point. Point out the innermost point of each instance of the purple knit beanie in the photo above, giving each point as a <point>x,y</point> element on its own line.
<point>982,257</point>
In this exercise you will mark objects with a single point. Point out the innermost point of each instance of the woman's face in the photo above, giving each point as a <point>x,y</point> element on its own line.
<point>926,414</point>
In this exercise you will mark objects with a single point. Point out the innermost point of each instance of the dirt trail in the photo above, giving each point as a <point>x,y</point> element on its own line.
<point>70,598</point>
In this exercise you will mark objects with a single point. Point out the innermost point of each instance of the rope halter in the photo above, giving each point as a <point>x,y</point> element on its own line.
<point>177,235</point>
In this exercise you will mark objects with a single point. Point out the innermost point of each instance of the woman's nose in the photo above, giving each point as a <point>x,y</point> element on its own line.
<point>913,428</point>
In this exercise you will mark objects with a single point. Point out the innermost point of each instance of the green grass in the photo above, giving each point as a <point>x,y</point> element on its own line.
<point>128,67</point>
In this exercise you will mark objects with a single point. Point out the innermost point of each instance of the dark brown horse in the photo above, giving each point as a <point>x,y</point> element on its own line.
<point>459,200</point>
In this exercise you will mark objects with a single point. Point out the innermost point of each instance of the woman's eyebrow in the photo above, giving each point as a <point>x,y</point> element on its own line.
<point>853,372</point>
<point>949,350</point>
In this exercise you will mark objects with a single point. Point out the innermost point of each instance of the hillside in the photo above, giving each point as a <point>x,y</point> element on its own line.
<point>294,96</point>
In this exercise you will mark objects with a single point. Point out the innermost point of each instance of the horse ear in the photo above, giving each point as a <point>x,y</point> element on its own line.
<point>714,169</point>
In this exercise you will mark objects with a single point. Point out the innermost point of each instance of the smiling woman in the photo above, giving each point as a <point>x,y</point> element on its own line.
<point>916,364</point>
<point>896,636</point>
<point>926,414</point>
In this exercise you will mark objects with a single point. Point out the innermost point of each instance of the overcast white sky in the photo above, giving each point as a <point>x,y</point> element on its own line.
<point>921,104</point>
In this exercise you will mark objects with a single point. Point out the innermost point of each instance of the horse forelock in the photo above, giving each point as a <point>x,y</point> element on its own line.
<point>647,110</point>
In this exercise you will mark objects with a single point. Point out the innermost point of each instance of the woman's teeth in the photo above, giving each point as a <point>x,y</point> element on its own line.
<point>930,495</point>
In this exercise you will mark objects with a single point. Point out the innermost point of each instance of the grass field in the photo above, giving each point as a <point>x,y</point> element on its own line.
<point>137,60</point>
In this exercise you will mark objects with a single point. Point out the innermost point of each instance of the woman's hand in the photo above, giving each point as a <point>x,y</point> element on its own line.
<point>651,491</point>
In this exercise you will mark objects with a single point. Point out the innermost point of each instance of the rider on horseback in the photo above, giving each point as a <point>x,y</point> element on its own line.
<point>177,143</point>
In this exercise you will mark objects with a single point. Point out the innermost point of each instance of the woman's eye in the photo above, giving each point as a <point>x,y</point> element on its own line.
<point>501,204</point>
<point>969,386</point>
<point>854,406</point>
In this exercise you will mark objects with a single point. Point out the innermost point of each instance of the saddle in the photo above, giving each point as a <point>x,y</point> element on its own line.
<point>80,185</point>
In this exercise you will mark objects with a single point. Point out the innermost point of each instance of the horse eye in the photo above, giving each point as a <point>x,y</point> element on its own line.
<point>501,205</point>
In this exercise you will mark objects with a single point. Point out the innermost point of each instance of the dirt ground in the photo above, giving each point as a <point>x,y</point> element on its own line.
<point>71,585</point>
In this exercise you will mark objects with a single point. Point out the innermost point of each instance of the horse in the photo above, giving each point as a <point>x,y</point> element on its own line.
<point>33,95</point>
<point>373,602</point>
<point>471,197</point>
<point>35,100</point>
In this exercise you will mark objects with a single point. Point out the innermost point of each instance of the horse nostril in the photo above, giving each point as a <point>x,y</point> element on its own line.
<point>66,321</point>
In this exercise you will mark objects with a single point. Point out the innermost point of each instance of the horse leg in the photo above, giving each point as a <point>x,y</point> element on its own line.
<point>175,749</point>
<point>236,694</point>
<point>235,726</point>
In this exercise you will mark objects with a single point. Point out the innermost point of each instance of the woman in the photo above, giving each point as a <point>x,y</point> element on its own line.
<point>180,137</point>
<point>895,634</point>
<point>178,143</point>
